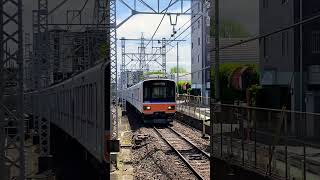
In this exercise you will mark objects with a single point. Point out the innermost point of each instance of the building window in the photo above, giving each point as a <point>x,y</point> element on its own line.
<point>315,42</point>
<point>265,3</point>
<point>285,43</point>
<point>198,58</point>
<point>199,41</point>
<point>192,45</point>
<point>199,23</point>
<point>284,1</point>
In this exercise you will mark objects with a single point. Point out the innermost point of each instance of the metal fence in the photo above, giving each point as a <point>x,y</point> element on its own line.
<point>279,143</point>
<point>194,106</point>
<point>275,142</point>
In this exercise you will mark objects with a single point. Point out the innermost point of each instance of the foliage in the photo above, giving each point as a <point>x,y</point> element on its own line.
<point>229,29</point>
<point>181,70</point>
<point>229,94</point>
<point>103,48</point>
<point>180,85</point>
<point>253,93</point>
<point>153,73</point>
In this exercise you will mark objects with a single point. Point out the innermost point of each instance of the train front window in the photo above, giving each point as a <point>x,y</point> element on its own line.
<point>159,91</point>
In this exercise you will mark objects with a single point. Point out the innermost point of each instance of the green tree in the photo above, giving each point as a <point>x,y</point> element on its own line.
<point>173,70</point>
<point>153,73</point>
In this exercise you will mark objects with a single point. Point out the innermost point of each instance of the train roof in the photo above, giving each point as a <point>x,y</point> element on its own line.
<point>153,79</point>
<point>156,79</point>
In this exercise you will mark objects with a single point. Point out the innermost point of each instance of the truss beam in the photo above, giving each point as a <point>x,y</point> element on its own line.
<point>155,8</point>
<point>11,84</point>
<point>42,49</point>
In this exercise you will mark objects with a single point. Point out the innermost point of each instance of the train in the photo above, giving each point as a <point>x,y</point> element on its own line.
<point>79,106</point>
<point>153,99</point>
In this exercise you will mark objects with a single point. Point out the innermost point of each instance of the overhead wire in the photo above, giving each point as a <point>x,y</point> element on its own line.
<point>180,35</point>
<point>171,41</point>
<point>177,30</point>
<point>80,12</point>
<point>159,24</point>
<point>308,20</point>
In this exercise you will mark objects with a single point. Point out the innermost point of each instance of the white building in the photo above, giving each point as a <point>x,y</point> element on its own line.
<point>231,12</point>
<point>199,60</point>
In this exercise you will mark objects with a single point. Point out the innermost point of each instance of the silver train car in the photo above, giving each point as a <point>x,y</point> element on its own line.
<point>153,99</point>
<point>80,106</point>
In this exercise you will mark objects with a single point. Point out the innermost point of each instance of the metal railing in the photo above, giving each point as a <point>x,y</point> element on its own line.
<point>275,142</point>
<point>195,106</point>
<point>279,143</point>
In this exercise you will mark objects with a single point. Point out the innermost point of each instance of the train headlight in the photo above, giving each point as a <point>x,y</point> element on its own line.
<point>146,107</point>
<point>171,107</point>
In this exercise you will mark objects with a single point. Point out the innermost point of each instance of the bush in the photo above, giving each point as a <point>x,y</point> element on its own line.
<point>229,94</point>
<point>180,85</point>
<point>252,94</point>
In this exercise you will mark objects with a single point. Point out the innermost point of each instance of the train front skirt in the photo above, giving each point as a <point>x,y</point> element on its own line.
<point>158,118</point>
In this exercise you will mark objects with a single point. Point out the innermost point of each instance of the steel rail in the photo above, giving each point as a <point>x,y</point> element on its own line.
<point>195,172</point>
<point>189,142</point>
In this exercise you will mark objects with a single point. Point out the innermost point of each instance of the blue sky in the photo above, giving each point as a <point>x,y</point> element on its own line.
<point>147,24</point>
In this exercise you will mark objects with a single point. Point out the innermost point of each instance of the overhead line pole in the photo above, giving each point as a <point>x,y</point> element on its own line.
<point>177,62</point>
<point>215,69</point>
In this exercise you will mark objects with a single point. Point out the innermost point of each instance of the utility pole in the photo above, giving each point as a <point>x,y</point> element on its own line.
<point>217,52</point>
<point>177,63</point>
<point>214,110</point>
<point>302,86</point>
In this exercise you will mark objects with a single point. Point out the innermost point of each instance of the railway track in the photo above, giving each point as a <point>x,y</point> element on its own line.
<point>195,159</point>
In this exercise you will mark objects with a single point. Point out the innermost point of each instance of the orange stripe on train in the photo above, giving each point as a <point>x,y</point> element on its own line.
<point>159,108</point>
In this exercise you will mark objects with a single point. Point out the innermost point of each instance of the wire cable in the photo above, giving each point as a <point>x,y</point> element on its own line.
<point>159,24</point>
<point>308,20</point>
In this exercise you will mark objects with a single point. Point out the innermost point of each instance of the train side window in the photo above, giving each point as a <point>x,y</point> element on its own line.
<point>81,111</point>
<point>91,103</point>
<point>138,94</point>
<point>95,106</point>
<point>77,103</point>
<point>86,109</point>
<point>63,105</point>
<point>85,103</point>
<point>56,107</point>
<point>69,103</point>
<point>75,95</point>
<point>82,101</point>
<point>88,102</point>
